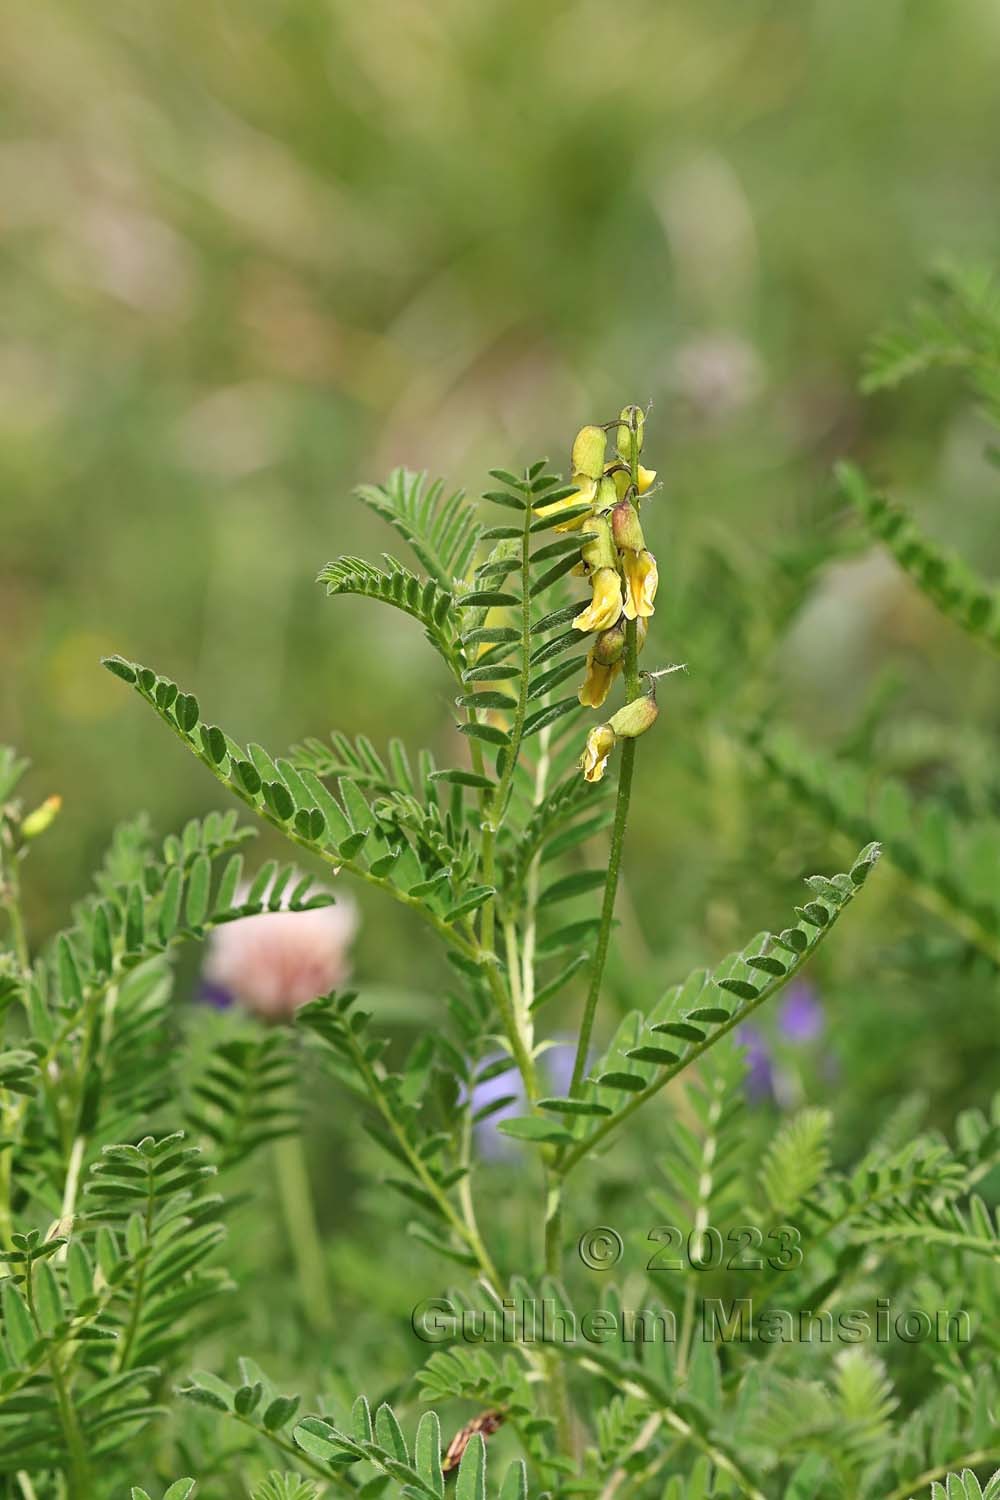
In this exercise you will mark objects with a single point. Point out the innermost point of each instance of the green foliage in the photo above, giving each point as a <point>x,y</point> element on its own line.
<point>942,576</point>
<point>114,1240</point>
<point>956,327</point>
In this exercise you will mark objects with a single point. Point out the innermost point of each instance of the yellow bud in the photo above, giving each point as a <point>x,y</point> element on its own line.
<point>600,743</point>
<point>645,479</point>
<point>41,818</point>
<point>631,430</point>
<point>634,718</point>
<point>598,550</point>
<point>641,580</point>
<point>605,607</point>
<point>589,448</point>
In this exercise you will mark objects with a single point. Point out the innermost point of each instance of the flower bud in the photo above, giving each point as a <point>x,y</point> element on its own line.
<point>634,718</point>
<point>607,495</point>
<point>645,479</point>
<point>631,430</point>
<point>598,550</point>
<point>605,607</point>
<point>610,645</point>
<point>641,581</point>
<point>600,743</point>
<point>41,818</point>
<point>589,447</point>
<point>625,527</point>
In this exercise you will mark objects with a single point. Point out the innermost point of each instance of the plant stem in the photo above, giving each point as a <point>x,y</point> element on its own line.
<point>295,1193</point>
<point>625,774</point>
<point>555,1366</point>
<point>512,1021</point>
<point>13,1107</point>
<point>77,1476</point>
<point>607,913</point>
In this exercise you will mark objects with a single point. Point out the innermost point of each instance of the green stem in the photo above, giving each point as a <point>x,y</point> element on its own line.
<point>497,807</point>
<point>955,1465</point>
<point>78,1473</point>
<point>607,913</point>
<point>469,1233</point>
<point>555,1366</point>
<point>295,1194</point>
<point>13,1107</point>
<point>604,1129</point>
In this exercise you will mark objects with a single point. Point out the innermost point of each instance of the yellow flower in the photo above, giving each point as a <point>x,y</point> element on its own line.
<point>584,495</point>
<point>597,684</point>
<point>605,607</point>
<point>641,579</point>
<point>645,479</point>
<point>600,743</point>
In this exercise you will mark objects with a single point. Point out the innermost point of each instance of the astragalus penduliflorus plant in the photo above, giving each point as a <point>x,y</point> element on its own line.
<point>511,861</point>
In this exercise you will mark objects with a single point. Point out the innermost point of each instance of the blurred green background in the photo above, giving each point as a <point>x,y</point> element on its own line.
<point>255,252</point>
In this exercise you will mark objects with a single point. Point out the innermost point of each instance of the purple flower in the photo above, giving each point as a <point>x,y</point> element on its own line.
<point>801,1018</point>
<point>556,1064</point>
<point>759,1082</point>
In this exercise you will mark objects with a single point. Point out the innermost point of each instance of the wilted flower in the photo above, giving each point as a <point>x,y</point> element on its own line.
<point>600,743</point>
<point>604,662</point>
<point>597,684</point>
<point>605,607</point>
<point>641,580</point>
<point>276,961</point>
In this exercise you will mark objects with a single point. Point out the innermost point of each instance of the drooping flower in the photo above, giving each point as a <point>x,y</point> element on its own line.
<point>605,607</point>
<point>600,743</point>
<point>597,683</point>
<point>604,662</point>
<point>641,581</point>
<point>276,961</point>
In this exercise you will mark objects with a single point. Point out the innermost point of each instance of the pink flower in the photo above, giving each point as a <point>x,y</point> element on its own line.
<point>274,962</point>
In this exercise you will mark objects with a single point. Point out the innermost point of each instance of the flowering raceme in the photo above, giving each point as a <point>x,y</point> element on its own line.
<point>276,961</point>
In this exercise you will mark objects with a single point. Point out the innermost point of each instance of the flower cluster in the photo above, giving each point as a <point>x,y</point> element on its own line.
<point>604,508</point>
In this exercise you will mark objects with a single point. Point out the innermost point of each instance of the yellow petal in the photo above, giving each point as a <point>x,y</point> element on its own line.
<point>641,580</point>
<point>600,743</point>
<point>605,606</point>
<point>597,684</point>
